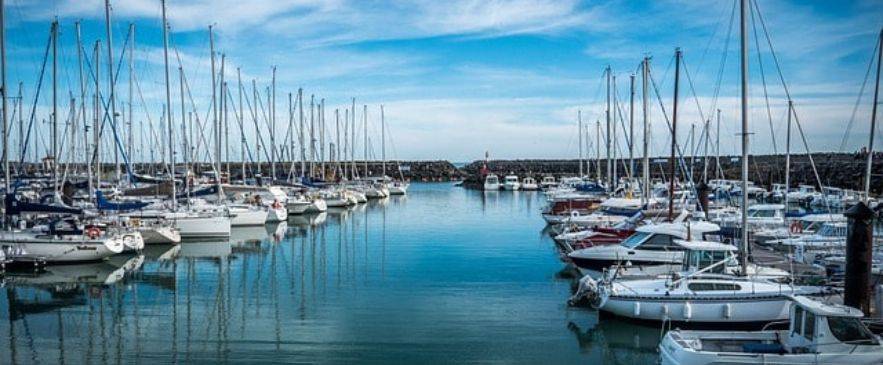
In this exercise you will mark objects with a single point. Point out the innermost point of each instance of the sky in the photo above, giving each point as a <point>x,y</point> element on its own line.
<point>458,78</point>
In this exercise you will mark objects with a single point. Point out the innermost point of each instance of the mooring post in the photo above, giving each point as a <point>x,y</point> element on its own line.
<point>859,244</point>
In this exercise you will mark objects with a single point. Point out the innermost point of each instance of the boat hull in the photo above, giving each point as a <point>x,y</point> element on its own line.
<point>203,227</point>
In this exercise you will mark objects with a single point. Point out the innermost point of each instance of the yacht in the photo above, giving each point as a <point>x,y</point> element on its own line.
<point>705,292</point>
<point>548,182</point>
<point>611,212</point>
<point>818,333</point>
<point>511,183</point>
<point>491,182</point>
<point>40,243</point>
<point>246,215</point>
<point>651,247</point>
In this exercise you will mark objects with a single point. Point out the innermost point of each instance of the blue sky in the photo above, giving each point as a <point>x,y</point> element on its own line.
<point>463,76</point>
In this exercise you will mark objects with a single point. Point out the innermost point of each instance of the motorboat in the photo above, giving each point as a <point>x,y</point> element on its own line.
<point>398,188</point>
<point>611,212</point>
<point>528,183</point>
<point>297,204</point>
<point>548,182</point>
<point>651,247</point>
<point>317,205</point>
<point>705,292</point>
<point>491,182</point>
<point>510,182</point>
<point>818,333</point>
<point>807,224</point>
<point>562,207</point>
<point>759,216</point>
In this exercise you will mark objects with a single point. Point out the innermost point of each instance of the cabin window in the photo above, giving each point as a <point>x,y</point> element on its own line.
<point>762,213</point>
<point>713,286</point>
<point>798,321</point>
<point>659,242</point>
<point>809,325</point>
<point>850,330</point>
<point>634,240</point>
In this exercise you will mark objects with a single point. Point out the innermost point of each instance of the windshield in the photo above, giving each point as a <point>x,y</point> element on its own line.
<point>635,239</point>
<point>850,330</point>
<point>762,213</point>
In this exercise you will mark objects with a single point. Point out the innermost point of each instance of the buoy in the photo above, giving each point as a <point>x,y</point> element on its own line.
<point>688,310</point>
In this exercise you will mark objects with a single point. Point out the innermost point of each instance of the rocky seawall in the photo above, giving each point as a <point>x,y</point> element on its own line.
<point>844,170</point>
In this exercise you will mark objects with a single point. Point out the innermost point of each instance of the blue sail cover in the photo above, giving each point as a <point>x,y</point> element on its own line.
<point>310,182</point>
<point>104,204</point>
<point>15,207</point>
<point>211,190</point>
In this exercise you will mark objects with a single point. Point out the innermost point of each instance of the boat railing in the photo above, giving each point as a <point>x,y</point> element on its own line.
<point>766,326</point>
<point>701,271</point>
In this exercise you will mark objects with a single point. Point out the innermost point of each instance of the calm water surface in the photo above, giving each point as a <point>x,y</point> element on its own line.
<point>443,275</point>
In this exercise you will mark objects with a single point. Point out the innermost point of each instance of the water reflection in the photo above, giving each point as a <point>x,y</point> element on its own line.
<point>443,275</point>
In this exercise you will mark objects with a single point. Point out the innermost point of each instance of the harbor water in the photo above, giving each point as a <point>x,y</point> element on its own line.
<point>443,275</point>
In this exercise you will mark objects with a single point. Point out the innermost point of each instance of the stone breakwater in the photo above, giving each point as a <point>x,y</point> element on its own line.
<point>844,170</point>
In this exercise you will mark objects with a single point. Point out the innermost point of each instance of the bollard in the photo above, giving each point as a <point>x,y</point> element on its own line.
<point>859,242</point>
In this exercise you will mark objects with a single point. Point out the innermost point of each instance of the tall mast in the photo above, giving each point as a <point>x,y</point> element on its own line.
<point>743,28</point>
<point>346,132</point>
<point>598,149</point>
<point>220,132</point>
<point>291,145</point>
<point>257,129</point>
<point>674,139</point>
<point>241,124</point>
<point>705,154</point>
<point>365,124</point>
<point>788,154</point>
<point>211,42</point>
<point>632,125</point>
<point>382,142</point>
<point>110,84</point>
<point>692,148</point>
<point>717,146</point>
<point>873,123</point>
<point>607,141</point>
<point>616,121</point>
<point>54,104</point>
<point>322,135</point>
<point>303,150</point>
<point>353,137</point>
<point>6,174</point>
<point>187,142</point>
<point>97,124</point>
<point>83,110</point>
<point>337,140</point>
<point>312,133</point>
<point>168,109</point>
<point>273,125</point>
<point>579,118</point>
<point>131,120</point>
<point>645,80</point>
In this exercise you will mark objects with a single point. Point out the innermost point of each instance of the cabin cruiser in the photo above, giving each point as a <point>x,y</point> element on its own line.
<point>297,204</point>
<point>651,247</point>
<point>759,216</point>
<point>611,212</point>
<point>706,292</point>
<point>803,194</point>
<point>818,333</point>
<point>529,184</point>
<point>398,188</point>
<point>548,182</point>
<point>562,207</point>
<point>803,225</point>
<point>510,182</point>
<point>491,182</point>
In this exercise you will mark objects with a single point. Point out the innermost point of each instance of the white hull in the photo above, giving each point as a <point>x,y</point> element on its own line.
<point>203,227</point>
<point>398,190</point>
<point>511,187</point>
<point>700,311</point>
<point>488,186</point>
<point>160,235</point>
<point>63,250</point>
<point>341,202</point>
<point>247,217</point>
<point>276,214</point>
<point>297,207</point>
<point>317,206</point>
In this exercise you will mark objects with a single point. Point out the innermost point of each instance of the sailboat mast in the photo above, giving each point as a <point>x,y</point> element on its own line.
<point>873,123</point>
<point>717,146</point>
<point>211,42</point>
<point>54,105</point>
<point>337,140</point>
<point>273,125</point>
<point>312,133</point>
<point>632,125</point>
<point>645,71</point>
<point>3,89</point>
<point>241,124</point>
<point>222,117</point>
<point>97,125</point>
<point>165,44</point>
<point>598,149</point>
<point>705,154</point>
<point>743,28</point>
<point>322,136</point>
<point>353,137</point>
<point>674,138</point>
<point>579,119</point>
<point>185,136</point>
<point>382,143</point>
<point>365,124</point>
<point>300,107</point>
<point>788,154</point>
<point>82,109</point>
<point>131,120</point>
<point>607,114</point>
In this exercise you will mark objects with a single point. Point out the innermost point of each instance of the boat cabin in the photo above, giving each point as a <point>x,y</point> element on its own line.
<point>818,327</point>
<point>708,255</point>
<point>664,236</point>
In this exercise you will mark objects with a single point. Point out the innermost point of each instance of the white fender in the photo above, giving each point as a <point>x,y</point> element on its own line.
<point>637,309</point>
<point>688,310</point>
<point>728,310</point>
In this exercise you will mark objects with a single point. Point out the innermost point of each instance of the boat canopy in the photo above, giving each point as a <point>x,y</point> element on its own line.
<point>104,204</point>
<point>826,309</point>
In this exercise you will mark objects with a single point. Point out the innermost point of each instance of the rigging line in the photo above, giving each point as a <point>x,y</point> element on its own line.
<point>788,94</point>
<point>710,40</point>
<point>766,95</point>
<point>34,105</point>
<point>859,100</point>
<point>229,95</point>
<point>258,103</point>
<point>723,62</point>
<point>692,89</point>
